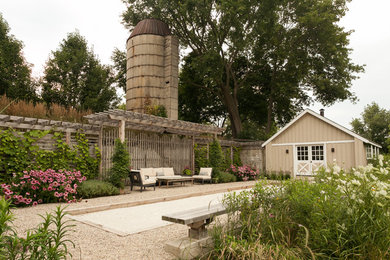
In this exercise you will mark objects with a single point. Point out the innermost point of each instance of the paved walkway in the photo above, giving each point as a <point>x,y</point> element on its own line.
<point>131,220</point>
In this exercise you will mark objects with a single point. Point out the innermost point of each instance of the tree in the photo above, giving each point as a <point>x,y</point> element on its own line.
<point>289,47</point>
<point>15,72</point>
<point>374,124</point>
<point>199,101</point>
<point>74,77</point>
<point>119,59</point>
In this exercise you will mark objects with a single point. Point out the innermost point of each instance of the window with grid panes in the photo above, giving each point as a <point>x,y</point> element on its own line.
<point>302,153</point>
<point>317,152</point>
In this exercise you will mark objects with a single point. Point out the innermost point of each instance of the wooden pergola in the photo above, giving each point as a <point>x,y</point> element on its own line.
<point>143,122</point>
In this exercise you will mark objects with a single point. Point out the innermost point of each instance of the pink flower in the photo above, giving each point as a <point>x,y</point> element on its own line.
<point>35,203</point>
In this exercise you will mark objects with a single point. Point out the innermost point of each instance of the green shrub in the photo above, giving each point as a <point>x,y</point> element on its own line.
<point>237,156</point>
<point>96,188</point>
<point>227,161</point>
<point>341,215</point>
<point>216,156</point>
<point>200,157</point>
<point>121,164</point>
<point>223,177</point>
<point>48,241</point>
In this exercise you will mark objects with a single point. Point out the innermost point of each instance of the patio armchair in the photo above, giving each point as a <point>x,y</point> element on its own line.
<point>143,178</point>
<point>204,175</point>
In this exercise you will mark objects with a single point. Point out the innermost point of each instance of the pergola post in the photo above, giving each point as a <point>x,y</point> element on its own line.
<point>122,124</point>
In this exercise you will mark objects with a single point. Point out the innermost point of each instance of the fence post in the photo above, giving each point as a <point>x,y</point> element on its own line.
<point>193,154</point>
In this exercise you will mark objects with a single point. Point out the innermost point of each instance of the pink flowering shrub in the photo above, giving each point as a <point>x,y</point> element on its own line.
<point>244,173</point>
<point>39,186</point>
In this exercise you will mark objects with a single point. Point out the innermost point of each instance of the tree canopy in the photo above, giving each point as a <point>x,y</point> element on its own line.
<point>373,125</point>
<point>262,59</point>
<point>118,57</point>
<point>74,77</point>
<point>15,72</point>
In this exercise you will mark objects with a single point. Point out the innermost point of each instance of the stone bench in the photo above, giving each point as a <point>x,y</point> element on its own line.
<point>198,241</point>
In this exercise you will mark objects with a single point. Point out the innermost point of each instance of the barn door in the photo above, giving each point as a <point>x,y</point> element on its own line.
<point>309,158</point>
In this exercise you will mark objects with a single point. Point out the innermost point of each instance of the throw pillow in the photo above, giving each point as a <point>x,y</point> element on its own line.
<point>203,173</point>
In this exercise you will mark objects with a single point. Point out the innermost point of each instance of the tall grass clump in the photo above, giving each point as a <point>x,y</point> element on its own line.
<point>47,241</point>
<point>40,110</point>
<point>342,215</point>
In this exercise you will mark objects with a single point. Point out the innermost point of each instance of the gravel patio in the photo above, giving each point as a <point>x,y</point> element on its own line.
<point>95,243</point>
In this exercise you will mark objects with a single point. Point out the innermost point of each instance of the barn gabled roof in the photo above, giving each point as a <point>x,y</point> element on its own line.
<point>334,124</point>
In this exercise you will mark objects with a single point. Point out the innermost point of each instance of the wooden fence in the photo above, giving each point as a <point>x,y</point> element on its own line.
<point>146,149</point>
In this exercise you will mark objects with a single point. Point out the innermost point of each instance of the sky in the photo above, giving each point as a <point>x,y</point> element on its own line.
<point>43,24</point>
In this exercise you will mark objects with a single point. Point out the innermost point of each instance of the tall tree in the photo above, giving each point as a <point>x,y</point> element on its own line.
<point>374,124</point>
<point>293,47</point>
<point>15,72</point>
<point>199,101</point>
<point>119,59</point>
<point>74,77</point>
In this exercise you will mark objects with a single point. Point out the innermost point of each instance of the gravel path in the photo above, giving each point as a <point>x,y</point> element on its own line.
<point>95,243</point>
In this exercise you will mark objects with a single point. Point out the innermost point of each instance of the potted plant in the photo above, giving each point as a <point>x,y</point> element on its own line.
<point>187,171</point>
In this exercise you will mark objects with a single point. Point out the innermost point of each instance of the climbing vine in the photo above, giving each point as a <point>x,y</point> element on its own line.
<point>20,152</point>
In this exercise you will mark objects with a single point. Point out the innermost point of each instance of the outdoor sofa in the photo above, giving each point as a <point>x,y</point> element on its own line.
<point>147,177</point>
<point>204,175</point>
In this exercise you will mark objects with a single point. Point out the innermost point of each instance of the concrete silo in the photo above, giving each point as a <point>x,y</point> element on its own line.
<point>152,68</point>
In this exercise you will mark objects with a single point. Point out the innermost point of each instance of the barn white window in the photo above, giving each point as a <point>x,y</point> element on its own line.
<point>302,153</point>
<point>317,152</point>
<point>369,152</point>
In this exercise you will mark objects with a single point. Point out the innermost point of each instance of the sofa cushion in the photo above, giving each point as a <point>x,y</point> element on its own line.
<point>168,172</point>
<point>159,174</point>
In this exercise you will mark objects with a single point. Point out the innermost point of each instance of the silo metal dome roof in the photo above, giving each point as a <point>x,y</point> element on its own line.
<point>151,26</point>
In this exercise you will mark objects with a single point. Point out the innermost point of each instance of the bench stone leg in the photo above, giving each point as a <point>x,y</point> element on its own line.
<point>198,229</point>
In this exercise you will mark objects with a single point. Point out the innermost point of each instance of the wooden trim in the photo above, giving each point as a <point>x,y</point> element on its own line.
<point>320,142</point>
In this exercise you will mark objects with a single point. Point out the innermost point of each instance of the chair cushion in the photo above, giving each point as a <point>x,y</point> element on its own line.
<point>146,173</point>
<point>150,180</point>
<point>205,171</point>
<point>160,174</point>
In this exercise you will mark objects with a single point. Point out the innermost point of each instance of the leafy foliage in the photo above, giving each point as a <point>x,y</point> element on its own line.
<point>15,72</point>
<point>75,78</point>
<point>374,124</point>
<point>341,215</point>
<point>47,241</point>
<point>20,152</point>
<point>199,99</point>
<point>119,59</point>
<point>121,164</point>
<point>258,55</point>
<point>201,159</point>
<point>96,188</point>
<point>224,177</point>
<point>216,157</point>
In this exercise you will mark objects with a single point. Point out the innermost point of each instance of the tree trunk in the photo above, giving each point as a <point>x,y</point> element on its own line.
<point>269,115</point>
<point>232,108</point>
